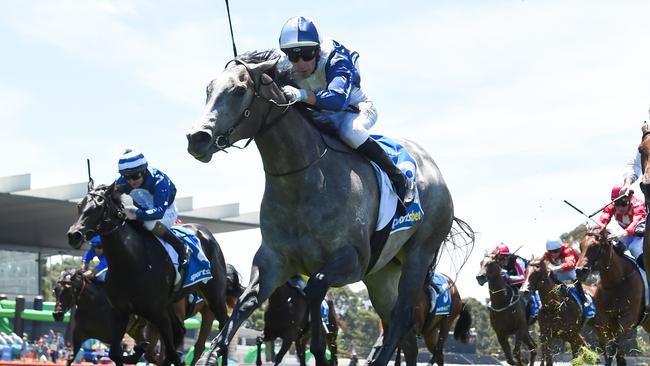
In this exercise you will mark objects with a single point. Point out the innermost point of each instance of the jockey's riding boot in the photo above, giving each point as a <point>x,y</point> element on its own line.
<point>581,293</point>
<point>639,262</point>
<point>162,231</point>
<point>404,187</point>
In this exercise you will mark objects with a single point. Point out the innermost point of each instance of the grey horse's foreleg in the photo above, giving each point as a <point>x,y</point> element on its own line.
<point>267,273</point>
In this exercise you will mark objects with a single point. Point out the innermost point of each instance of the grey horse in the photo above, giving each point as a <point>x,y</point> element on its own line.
<point>320,206</point>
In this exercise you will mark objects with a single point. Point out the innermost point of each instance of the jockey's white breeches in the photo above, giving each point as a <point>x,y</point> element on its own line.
<point>566,276</point>
<point>168,219</point>
<point>353,127</point>
<point>634,244</point>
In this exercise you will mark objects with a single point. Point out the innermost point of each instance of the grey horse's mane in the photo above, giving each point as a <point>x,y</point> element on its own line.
<point>281,73</point>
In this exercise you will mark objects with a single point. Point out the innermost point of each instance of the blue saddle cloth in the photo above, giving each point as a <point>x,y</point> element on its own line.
<point>198,266</point>
<point>443,302</point>
<point>324,312</point>
<point>406,163</point>
<point>588,312</point>
<point>535,304</point>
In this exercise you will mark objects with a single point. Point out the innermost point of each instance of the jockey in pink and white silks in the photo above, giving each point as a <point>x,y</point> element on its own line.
<point>327,76</point>
<point>153,195</point>
<point>630,214</point>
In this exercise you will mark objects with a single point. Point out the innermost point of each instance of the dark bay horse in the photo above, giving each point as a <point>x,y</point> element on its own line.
<point>434,329</point>
<point>74,290</point>
<point>508,315</point>
<point>141,276</point>
<point>287,317</point>
<point>560,315</point>
<point>618,295</point>
<point>320,206</point>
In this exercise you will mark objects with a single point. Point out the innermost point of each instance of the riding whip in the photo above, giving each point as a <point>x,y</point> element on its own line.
<point>585,215</point>
<point>91,182</point>
<point>232,36</point>
<point>629,192</point>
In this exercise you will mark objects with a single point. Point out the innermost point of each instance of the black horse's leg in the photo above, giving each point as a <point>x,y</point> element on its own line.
<point>119,319</point>
<point>283,351</point>
<point>267,273</point>
<point>77,340</point>
<point>258,342</point>
<point>300,350</point>
<point>341,268</point>
<point>532,347</point>
<point>164,325</point>
<point>505,346</point>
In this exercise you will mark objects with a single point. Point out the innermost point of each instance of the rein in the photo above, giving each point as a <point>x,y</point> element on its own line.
<point>513,300</point>
<point>106,219</point>
<point>222,142</point>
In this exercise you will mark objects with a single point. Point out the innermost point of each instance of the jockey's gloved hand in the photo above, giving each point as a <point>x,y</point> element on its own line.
<point>295,94</point>
<point>130,213</point>
<point>553,268</point>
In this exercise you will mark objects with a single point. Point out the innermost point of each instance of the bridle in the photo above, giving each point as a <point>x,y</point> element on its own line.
<point>601,250</point>
<point>76,293</point>
<point>222,142</point>
<point>509,292</point>
<point>109,222</point>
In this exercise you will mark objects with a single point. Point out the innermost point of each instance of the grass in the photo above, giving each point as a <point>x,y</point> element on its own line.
<point>586,357</point>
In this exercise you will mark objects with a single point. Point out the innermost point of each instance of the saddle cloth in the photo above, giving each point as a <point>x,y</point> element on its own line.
<point>198,266</point>
<point>387,195</point>
<point>588,312</point>
<point>646,298</point>
<point>443,302</point>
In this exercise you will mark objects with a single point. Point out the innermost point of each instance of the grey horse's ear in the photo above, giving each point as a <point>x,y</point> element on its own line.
<point>263,67</point>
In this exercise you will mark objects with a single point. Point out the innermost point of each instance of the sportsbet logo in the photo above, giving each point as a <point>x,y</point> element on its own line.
<point>408,219</point>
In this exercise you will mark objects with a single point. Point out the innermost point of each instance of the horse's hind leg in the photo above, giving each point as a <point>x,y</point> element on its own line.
<point>164,325</point>
<point>419,252</point>
<point>443,333</point>
<point>206,326</point>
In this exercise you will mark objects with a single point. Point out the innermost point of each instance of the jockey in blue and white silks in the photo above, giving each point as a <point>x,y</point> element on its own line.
<point>327,76</point>
<point>95,251</point>
<point>153,195</point>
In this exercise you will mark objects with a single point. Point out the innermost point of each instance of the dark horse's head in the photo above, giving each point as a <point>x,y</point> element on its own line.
<point>490,268</point>
<point>537,276</point>
<point>100,212</point>
<point>238,103</point>
<point>67,291</point>
<point>595,248</point>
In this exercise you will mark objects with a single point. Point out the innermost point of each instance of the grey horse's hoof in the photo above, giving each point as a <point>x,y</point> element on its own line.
<point>209,358</point>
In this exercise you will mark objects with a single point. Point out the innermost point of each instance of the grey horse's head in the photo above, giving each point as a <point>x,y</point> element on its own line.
<point>231,112</point>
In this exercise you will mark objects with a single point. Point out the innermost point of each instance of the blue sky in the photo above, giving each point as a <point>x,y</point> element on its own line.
<point>521,103</point>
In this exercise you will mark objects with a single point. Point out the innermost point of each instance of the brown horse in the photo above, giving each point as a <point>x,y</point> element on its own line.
<point>287,317</point>
<point>618,295</point>
<point>560,315</point>
<point>434,329</point>
<point>507,312</point>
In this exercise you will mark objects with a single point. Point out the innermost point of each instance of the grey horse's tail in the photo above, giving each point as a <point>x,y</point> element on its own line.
<point>459,244</point>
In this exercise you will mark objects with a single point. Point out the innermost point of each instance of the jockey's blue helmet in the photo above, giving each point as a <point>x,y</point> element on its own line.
<point>553,244</point>
<point>96,241</point>
<point>132,161</point>
<point>299,32</point>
